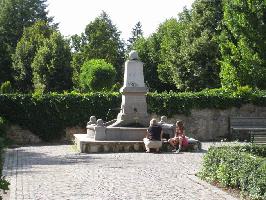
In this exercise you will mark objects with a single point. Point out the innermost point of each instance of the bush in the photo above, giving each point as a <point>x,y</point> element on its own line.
<point>172,103</point>
<point>49,114</point>
<point>242,167</point>
<point>97,75</point>
<point>6,88</point>
<point>4,184</point>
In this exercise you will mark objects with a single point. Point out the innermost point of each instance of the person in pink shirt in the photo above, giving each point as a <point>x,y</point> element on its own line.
<point>180,140</point>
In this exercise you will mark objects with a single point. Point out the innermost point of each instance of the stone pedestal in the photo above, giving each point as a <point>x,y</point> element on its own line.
<point>133,107</point>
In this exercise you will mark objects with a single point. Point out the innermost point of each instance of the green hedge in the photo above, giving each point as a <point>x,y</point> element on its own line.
<point>4,184</point>
<point>172,103</point>
<point>48,115</point>
<point>242,167</point>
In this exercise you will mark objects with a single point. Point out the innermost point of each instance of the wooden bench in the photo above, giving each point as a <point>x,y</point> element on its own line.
<point>252,125</point>
<point>258,137</point>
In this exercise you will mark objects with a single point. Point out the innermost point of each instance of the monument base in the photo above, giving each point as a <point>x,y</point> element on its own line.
<point>88,145</point>
<point>131,120</point>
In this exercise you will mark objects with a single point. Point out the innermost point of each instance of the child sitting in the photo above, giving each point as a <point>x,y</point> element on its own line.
<point>180,139</point>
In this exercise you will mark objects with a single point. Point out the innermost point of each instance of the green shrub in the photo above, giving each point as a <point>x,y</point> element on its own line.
<point>97,75</point>
<point>238,167</point>
<point>4,184</point>
<point>6,88</point>
<point>2,132</point>
<point>47,115</point>
<point>172,103</point>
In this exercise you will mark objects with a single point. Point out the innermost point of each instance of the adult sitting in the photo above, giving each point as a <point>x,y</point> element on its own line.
<point>153,138</point>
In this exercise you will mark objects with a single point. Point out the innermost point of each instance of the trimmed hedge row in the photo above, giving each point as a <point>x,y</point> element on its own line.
<point>242,167</point>
<point>172,103</point>
<point>4,184</point>
<point>48,115</point>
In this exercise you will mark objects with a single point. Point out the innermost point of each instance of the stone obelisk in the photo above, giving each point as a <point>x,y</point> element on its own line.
<point>133,107</point>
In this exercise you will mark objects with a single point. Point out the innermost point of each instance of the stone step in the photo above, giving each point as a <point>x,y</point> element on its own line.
<point>87,145</point>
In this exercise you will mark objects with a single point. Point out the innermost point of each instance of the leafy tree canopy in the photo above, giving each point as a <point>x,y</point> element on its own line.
<point>243,44</point>
<point>51,65</point>
<point>136,32</point>
<point>101,40</point>
<point>195,63</point>
<point>32,39</point>
<point>15,15</point>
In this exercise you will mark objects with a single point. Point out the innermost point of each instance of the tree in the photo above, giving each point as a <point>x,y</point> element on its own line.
<point>32,39</point>
<point>15,15</point>
<point>97,75</point>
<point>243,44</point>
<point>51,65</point>
<point>102,41</point>
<point>195,63</point>
<point>77,42</point>
<point>5,70</point>
<point>78,56</point>
<point>136,33</point>
<point>168,35</point>
<point>149,53</point>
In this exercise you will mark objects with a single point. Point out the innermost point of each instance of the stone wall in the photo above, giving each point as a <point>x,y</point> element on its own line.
<point>22,136</point>
<point>213,124</point>
<point>204,125</point>
<point>70,131</point>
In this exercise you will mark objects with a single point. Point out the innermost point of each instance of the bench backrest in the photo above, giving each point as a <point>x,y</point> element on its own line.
<point>248,122</point>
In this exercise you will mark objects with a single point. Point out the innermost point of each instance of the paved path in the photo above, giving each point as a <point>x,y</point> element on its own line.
<point>60,173</point>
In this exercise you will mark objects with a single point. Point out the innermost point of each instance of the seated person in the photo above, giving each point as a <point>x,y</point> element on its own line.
<point>180,139</point>
<point>154,136</point>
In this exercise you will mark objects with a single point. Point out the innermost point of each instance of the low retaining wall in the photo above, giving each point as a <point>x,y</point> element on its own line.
<point>203,125</point>
<point>213,124</point>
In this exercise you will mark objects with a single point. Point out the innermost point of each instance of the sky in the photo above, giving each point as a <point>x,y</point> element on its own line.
<point>74,15</point>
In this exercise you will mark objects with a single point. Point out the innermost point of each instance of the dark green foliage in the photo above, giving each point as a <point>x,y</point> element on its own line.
<point>4,184</point>
<point>32,39</point>
<point>172,103</point>
<point>149,53</point>
<point>5,61</point>
<point>97,75</point>
<point>15,15</point>
<point>2,130</point>
<point>6,88</point>
<point>42,60</point>
<point>242,167</point>
<point>136,33</point>
<point>51,66</point>
<point>243,44</point>
<point>169,36</point>
<point>48,115</point>
<point>195,61</point>
<point>101,40</point>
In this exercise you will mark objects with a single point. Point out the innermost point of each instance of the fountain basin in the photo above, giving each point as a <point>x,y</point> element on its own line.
<point>89,145</point>
<point>116,133</point>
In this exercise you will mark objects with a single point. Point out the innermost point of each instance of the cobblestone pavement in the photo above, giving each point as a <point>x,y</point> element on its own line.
<point>61,173</point>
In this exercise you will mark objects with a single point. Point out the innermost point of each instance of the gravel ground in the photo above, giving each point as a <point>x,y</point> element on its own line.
<point>58,172</point>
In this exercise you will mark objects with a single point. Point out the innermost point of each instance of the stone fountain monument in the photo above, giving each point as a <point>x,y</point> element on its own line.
<point>133,110</point>
<point>126,133</point>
